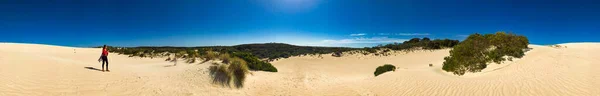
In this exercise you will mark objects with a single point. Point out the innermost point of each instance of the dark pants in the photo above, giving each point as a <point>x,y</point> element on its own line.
<point>104,60</point>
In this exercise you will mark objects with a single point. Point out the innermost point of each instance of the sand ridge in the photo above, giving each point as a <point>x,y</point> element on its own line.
<point>35,69</point>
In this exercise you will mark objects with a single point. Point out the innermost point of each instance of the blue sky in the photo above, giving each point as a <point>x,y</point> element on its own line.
<point>352,23</point>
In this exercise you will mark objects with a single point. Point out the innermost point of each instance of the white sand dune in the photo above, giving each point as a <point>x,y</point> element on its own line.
<point>33,69</point>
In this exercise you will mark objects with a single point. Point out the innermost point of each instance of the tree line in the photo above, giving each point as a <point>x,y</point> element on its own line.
<point>258,55</point>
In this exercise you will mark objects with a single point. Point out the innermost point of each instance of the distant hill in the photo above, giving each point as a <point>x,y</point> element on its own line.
<point>282,50</point>
<point>271,51</point>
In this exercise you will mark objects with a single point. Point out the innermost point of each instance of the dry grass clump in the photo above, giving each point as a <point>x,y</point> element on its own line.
<point>226,58</point>
<point>220,74</point>
<point>210,55</point>
<point>233,72</point>
<point>239,69</point>
<point>558,46</point>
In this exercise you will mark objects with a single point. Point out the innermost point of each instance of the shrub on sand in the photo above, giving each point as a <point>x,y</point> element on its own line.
<point>238,69</point>
<point>220,74</point>
<point>234,72</point>
<point>384,68</point>
<point>210,55</point>
<point>254,63</point>
<point>473,54</point>
<point>225,57</point>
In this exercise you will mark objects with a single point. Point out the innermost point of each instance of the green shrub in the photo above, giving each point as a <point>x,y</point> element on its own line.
<point>424,43</point>
<point>384,68</point>
<point>475,52</point>
<point>254,63</point>
<point>370,50</point>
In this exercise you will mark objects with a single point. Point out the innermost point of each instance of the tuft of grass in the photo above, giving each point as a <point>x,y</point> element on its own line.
<point>220,74</point>
<point>384,68</point>
<point>225,57</point>
<point>234,72</point>
<point>210,55</point>
<point>238,69</point>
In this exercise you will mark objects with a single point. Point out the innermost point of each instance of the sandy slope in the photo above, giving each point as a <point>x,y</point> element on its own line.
<point>31,69</point>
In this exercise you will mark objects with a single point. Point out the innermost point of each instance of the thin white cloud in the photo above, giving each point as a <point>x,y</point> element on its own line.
<point>413,34</point>
<point>406,34</point>
<point>359,34</point>
<point>364,40</point>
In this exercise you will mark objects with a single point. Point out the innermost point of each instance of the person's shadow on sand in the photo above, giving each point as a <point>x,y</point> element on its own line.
<point>92,68</point>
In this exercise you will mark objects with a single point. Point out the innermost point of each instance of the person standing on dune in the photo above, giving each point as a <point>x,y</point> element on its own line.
<point>104,58</point>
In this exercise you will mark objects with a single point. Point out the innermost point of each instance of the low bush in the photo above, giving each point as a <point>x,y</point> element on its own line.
<point>254,63</point>
<point>384,68</point>
<point>424,43</point>
<point>337,54</point>
<point>475,52</point>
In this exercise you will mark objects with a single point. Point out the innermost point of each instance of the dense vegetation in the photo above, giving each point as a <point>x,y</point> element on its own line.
<point>258,56</point>
<point>191,54</point>
<point>424,43</point>
<point>237,60</point>
<point>272,51</point>
<point>384,68</point>
<point>255,63</point>
<point>280,50</point>
<point>474,53</point>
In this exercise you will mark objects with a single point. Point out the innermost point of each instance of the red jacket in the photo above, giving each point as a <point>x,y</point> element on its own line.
<point>104,52</point>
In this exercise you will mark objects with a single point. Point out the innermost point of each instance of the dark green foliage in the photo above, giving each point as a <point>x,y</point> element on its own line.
<point>208,53</point>
<point>384,68</point>
<point>413,40</point>
<point>254,63</point>
<point>473,54</point>
<point>425,39</point>
<point>273,51</point>
<point>258,55</point>
<point>425,43</point>
<point>370,50</point>
<point>337,54</point>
